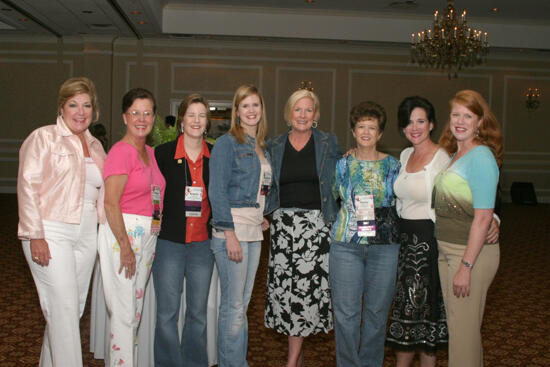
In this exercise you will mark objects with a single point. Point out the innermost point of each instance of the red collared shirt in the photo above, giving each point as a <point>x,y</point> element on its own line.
<point>196,227</point>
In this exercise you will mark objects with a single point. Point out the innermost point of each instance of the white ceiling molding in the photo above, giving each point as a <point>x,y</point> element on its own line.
<point>328,25</point>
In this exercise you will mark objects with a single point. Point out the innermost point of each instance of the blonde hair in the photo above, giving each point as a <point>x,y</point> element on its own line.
<point>488,134</point>
<point>245,91</point>
<point>79,85</point>
<point>298,95</point>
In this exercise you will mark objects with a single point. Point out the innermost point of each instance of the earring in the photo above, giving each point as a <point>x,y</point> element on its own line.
<point>238,120</point>
<point>315,124</point>
<point>403,131</point>
<point>205,133</point>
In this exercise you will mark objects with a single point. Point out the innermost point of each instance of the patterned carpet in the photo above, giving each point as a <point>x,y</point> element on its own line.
<point>516,330</point>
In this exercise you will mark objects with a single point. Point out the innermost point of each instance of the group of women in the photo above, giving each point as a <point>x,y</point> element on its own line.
<point>349,233</point>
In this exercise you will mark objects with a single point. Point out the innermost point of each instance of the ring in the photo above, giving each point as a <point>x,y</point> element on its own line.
<point>36,258</point>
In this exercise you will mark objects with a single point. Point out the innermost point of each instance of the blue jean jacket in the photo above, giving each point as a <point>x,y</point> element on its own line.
<point>327,153</point>
<point>234,179</point>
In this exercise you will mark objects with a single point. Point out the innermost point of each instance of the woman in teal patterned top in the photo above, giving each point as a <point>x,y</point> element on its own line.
<point>365,247</point>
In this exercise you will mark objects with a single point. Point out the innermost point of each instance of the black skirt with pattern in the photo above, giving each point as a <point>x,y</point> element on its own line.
<point>298,296</point>
<point>417,320</point>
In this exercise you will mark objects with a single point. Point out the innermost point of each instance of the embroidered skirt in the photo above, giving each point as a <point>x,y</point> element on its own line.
<point>417,320</point>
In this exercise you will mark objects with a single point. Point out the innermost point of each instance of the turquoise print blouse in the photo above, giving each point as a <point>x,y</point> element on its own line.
<point>358,177</point>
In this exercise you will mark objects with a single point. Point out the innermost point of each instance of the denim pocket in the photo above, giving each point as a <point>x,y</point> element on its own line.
<point>217,245</point>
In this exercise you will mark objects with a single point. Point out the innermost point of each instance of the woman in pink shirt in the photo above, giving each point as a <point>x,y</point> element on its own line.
<point>134,191</point>
<point>60,197</point>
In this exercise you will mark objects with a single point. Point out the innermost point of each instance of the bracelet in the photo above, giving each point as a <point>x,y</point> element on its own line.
<point>467,264</point>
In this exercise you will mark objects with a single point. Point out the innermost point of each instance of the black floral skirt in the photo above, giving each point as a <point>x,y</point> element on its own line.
<point>417,320</point>
<point>298,295</point>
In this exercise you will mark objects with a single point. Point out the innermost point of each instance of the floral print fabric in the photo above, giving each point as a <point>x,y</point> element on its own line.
<point>124,297</point>
<point>298,296</point>
<point>358,177</point>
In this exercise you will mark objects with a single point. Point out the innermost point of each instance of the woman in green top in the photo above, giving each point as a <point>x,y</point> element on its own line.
<point>464,197</point>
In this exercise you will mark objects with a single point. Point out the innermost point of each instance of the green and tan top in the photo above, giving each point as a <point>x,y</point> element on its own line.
<point>469,183</point>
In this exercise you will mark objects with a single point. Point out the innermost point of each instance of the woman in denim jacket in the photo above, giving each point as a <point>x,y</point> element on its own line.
<point>298,296</point>
<point>240,178</point>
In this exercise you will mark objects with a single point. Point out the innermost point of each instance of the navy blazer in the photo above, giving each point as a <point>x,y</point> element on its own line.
<point>174,221</point>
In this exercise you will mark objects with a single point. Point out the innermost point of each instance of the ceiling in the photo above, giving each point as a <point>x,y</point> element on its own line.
<point>516,24</point>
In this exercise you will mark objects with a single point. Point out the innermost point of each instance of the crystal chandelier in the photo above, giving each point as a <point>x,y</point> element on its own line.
<point>449,44</point>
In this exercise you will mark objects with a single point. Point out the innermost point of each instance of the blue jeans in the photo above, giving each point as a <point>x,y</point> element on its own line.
<point>236,282</point>
<point>174,262</point>
<point>362,281</point>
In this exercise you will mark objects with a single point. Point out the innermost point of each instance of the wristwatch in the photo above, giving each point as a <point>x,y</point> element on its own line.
<point>467,264</point>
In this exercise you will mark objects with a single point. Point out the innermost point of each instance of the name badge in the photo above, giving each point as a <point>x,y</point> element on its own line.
<point>364,210</point>
<point>193,201</point>
<point>155,195</point>
<point>266,183</point>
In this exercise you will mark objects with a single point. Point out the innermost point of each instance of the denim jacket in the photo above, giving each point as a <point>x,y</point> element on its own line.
<point>327,153</point>
<point>234,179</point>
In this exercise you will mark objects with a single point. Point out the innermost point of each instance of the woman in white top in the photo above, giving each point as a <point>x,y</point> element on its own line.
<point>60,197</point>
<point>417,321</point>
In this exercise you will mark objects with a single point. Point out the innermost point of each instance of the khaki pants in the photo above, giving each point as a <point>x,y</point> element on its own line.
<point>465,314</point>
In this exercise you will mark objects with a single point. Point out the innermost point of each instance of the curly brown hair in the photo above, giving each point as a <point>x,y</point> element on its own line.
<point>488,134</point>
<point>366,109</point>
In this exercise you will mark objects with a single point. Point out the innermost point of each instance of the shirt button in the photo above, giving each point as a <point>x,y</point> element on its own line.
<point>191,224</point>
<point>194,182</point>
<point>194,168</point>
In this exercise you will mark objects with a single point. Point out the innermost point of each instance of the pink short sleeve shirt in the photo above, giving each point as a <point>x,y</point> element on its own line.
<point>123,159</point>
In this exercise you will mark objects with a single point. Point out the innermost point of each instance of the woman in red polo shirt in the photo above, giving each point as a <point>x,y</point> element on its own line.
<point>183,247</point>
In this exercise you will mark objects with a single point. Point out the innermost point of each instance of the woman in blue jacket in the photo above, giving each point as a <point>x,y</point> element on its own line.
<point>298,296</point>
<point>240,178</point>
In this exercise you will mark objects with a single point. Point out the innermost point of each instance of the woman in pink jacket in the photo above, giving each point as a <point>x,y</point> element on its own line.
<point>60,195</point>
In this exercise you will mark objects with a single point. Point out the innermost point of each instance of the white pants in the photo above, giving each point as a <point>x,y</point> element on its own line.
<point>63,285</point>
<point>124,297</point>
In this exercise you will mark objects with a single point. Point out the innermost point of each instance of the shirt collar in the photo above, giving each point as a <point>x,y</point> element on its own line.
<point>63,130</point>
<point>180,149</point>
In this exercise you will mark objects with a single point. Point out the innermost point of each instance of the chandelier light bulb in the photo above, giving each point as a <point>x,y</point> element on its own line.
<point>452,46</point>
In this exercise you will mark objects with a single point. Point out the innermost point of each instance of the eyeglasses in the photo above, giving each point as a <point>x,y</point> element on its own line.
<point>144,114</point>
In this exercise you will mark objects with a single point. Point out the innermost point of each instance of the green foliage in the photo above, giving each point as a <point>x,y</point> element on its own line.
<point>162,133</point>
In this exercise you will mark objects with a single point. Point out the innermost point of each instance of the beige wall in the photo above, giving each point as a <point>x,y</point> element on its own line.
<point>31,71</point>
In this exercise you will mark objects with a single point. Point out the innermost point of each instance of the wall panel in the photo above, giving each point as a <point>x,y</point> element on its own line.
<point>342,75</point>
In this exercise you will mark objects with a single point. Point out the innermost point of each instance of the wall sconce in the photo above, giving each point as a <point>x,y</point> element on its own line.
<point>306,84</point>
<point>532,101</point>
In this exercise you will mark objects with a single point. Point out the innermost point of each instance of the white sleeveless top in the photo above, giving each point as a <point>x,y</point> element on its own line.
<point>93,181</point>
